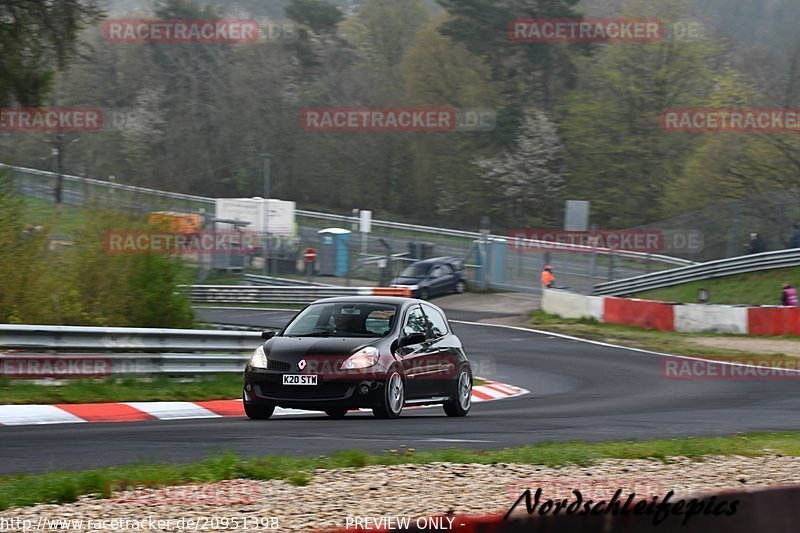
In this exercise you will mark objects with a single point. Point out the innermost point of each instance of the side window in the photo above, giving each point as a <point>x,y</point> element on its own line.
<point>437,323</point>
<point>380,321</point>
<point>415,322</point>
<point>446,270</point>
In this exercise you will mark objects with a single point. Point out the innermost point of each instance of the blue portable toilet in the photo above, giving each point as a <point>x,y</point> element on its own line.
<point>334,252</point>
<point>497,262</point>
<point>495,268</point>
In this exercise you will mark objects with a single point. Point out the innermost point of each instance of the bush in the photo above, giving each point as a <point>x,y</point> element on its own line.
<point>85,285</point>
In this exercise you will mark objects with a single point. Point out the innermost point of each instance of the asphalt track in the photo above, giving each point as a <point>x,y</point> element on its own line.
<point>579,391</point>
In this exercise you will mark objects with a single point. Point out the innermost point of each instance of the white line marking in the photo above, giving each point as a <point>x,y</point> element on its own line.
<point>609,345</point>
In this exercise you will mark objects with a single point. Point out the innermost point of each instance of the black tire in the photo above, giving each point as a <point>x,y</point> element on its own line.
<point>393,398</point>
<point>461,397</point>
<point>336,413</point>
<point>460,288</point>
<point>258,411</point>
<point>424,294</point>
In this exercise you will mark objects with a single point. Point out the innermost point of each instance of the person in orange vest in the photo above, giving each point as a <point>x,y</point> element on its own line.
<point>548,279</point>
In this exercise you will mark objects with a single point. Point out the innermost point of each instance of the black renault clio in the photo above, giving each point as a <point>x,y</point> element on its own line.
<point>340,354</point>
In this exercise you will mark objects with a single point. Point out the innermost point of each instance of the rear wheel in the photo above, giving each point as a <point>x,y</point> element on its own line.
<point>336,413</point>
<point>424,294</point>
<point>394,395</point>
<point>461,399</point>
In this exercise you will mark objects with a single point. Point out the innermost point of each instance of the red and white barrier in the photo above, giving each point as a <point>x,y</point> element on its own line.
<point>666,316</point>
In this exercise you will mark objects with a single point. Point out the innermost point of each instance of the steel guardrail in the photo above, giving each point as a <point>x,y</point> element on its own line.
<point>131,350</point>
<point>712,269</point>
<point>256,279</point>
<point>271,294</point>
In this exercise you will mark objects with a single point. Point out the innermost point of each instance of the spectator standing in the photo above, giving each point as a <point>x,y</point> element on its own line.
<point>789,295</point>
<point>548,279</point>
<point>795,241</point>
<point>757,244</point>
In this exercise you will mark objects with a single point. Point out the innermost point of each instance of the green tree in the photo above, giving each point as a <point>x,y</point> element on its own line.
<point>36,38</point>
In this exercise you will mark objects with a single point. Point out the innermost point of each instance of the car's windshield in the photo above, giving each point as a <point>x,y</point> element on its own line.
<point>417,271</point>
<point>343,320</point>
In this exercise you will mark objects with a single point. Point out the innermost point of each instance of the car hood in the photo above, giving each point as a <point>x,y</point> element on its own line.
<point>407,281</point>
<point>292,349</point>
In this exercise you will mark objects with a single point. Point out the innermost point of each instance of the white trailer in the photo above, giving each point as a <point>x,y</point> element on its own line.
<point>272,216</point>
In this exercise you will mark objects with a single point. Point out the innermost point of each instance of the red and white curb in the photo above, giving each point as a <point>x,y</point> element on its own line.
<point>23,415</point>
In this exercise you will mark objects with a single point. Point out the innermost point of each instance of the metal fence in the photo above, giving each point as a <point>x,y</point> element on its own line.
<point>726,227</point>
<point>130,350</point>
<point>491,261</point>
<point>711,269</point>
<point>264,294</point>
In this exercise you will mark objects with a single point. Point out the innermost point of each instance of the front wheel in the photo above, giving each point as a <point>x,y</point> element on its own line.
<point>258,411</point>
<point>394,395</point>
<point>460,287</point>
<point>461,399</point>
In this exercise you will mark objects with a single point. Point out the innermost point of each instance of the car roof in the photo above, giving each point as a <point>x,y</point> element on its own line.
<point>393,300</point>
<point>436,261</point>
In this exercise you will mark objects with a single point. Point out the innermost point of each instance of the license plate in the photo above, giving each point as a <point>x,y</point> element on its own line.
<point>299,379</point>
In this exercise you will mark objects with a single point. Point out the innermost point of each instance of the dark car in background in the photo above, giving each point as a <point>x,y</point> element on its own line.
<point>379,352</point>
<point>433,277</point>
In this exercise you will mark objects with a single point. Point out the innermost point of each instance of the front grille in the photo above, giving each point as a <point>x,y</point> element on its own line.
<point>277,365</point>
<point>323,391</point>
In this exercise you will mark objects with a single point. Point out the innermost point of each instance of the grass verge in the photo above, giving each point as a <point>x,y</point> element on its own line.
<point>63,487</point>
<point>755,288</point>
<point>659,341</point>
<point>161,388</point>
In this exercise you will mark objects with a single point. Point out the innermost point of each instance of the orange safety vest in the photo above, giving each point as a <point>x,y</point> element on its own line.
<point>547,278</point>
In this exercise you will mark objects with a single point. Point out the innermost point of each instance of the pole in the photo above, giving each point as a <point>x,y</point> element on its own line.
<point>265,266</point>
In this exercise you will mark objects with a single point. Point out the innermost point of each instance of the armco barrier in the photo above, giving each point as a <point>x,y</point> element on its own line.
<point>768,511</point>
<point>773,321</point>
<point>696,318</point>
<point>266,294</point>
<point>641,313</point>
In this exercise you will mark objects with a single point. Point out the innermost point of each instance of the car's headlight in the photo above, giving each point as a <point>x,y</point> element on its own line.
<point>363,358</point>
<point>259,358</point>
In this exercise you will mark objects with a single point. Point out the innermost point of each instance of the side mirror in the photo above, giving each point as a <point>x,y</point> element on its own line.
<point>267,335</point>
<point>413,338</point>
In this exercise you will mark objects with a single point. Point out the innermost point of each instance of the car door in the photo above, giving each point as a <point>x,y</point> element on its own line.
<point>444,361</point>
<point>440,278</point>
<point>418,360</point>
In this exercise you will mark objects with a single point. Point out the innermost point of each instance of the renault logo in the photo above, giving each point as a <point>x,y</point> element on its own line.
<point>302,364</point>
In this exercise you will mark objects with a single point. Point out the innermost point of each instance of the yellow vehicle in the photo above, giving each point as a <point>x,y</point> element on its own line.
<point>176,222</point>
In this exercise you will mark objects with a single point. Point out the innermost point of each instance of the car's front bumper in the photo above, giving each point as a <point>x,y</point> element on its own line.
<point>350,391</point>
